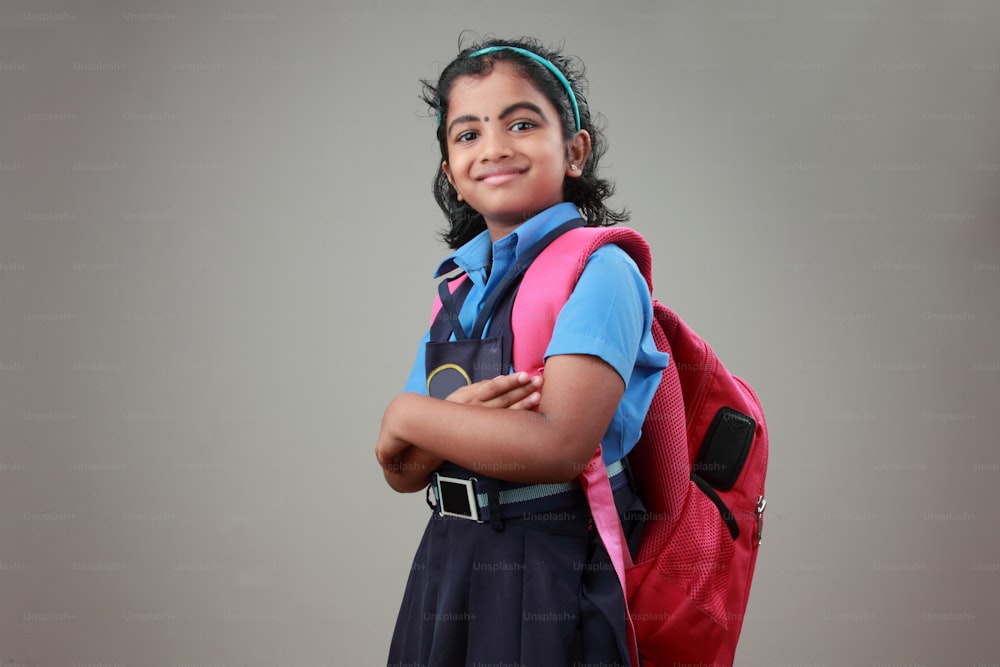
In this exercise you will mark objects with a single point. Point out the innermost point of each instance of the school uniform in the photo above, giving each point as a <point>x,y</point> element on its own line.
<point>530,583</point>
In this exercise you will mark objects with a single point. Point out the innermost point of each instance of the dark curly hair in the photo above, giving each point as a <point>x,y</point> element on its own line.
<point>588,191</point>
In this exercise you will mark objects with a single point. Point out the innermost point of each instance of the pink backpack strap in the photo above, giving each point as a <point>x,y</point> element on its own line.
<point>557,269</point>
<point>546,287</point>
<point>601,499</point>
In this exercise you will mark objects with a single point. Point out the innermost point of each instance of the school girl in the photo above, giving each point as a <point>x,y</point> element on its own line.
<point>509,570</point>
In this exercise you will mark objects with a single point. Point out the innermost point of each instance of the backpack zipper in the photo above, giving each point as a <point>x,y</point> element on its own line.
<point>759,514</point>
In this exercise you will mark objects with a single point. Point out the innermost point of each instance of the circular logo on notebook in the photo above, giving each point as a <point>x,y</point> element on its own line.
<point>445,379</point>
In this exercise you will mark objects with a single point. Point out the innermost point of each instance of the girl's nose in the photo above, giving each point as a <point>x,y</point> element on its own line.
<point>496,143</point>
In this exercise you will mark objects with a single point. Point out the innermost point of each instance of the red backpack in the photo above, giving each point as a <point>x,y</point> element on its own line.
<point>699,465</point>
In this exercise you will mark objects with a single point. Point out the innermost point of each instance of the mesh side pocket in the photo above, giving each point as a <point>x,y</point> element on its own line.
<point>698,556</point>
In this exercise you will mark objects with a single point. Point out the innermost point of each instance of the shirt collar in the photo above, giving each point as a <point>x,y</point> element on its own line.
<point>476,254</point>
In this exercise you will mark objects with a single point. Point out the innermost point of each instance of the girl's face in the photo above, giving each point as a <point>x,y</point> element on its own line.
<point>506,153</point>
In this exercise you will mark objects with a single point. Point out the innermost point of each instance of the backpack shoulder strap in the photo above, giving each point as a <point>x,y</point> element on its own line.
<point>550,280</point>
<point>545,289</point>
<point>447,304</point>
<point>452,291</point>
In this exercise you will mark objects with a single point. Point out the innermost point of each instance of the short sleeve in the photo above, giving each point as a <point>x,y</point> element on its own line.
<point>607,313</point>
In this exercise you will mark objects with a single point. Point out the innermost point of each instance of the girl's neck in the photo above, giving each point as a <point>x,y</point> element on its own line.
<point>500,229</point>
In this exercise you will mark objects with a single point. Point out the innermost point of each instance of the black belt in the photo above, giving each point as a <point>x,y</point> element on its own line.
<point>468,497</point>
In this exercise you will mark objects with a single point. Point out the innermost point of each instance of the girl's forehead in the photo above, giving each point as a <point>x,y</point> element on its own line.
<point>503,84</point>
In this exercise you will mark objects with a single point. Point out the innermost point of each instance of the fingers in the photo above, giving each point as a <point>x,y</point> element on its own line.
<point>516,391</point>
<point>503,385</point>
<point>503,391</point>
<point>387,459</point>
<point>387,462</point>
<point>529,402</point>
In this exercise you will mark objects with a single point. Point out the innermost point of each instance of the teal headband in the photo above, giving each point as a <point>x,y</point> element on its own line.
<point>537,58</point>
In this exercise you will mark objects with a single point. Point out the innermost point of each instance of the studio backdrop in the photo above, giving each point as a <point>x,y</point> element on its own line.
<point>217,238</point>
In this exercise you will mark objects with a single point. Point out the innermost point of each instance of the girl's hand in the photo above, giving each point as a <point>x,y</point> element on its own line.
<point>408,468</point>
<point>517,391</point>
<point>411,470</point>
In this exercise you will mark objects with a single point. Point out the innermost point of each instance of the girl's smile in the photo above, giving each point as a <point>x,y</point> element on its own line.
<point>501,176</point>
<point>507,155</point>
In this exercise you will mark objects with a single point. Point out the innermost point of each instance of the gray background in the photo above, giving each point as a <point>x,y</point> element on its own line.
<point>215,254</point>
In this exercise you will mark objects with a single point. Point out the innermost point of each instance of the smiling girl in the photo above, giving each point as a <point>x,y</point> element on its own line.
<point>509,569</point>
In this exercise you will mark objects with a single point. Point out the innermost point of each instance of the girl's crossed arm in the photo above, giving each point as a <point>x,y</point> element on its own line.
<point>410,470</point>
<point>550,445</point>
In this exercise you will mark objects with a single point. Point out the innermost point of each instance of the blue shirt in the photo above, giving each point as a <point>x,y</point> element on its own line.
<point>608,315</point>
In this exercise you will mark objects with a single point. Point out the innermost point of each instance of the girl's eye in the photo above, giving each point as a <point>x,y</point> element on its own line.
<point>522,125</point>
<point>466,136</point>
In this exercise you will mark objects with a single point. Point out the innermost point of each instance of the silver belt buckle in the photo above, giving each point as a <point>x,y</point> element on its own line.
<point>457,497</point>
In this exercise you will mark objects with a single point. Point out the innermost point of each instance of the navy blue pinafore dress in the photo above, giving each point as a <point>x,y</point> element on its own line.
<point>507,573</point>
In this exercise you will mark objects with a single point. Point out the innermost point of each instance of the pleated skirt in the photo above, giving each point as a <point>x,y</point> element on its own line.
<point>541,592</point>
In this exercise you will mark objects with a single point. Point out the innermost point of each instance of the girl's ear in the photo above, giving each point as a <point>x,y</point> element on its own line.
<point>577,152</point>
<point>447,174</point>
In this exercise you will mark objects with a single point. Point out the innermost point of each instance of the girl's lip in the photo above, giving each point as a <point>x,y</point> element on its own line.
<point>501,177</point>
